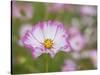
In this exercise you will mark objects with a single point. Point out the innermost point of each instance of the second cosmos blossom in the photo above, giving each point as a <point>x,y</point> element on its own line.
<point>47,37</point>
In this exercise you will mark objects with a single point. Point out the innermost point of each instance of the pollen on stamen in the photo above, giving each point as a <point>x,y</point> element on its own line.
<point>48,43</point>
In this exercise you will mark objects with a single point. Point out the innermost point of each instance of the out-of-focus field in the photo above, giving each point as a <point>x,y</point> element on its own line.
<point>82,17</point>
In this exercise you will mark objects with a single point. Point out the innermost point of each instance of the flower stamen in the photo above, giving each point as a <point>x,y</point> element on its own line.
<point>48,43</point>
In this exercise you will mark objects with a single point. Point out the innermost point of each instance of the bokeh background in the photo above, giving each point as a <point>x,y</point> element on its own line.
<point>82,17</point>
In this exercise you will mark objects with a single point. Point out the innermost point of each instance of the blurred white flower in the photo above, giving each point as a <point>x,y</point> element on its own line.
<point>90,33</point>
<point>87,21</point>
<point>76,55</point>
<point>76,23</point>
<point>84,54</point>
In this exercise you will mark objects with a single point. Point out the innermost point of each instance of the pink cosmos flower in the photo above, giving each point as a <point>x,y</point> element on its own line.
<point>69,65</point>
<point>77,40</point>
<point>46,37</point>
<point>17,8</point>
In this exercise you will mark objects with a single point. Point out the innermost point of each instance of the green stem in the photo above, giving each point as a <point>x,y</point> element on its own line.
<point>46,64</point>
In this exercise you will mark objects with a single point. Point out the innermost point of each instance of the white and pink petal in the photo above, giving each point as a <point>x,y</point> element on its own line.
<point>29,40</point>
<point>38,33</point>
<point>60,40</point>
<point>36,52</point>
<point>50,29</point>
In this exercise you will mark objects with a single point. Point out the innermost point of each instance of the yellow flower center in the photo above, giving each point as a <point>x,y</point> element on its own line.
<point>48,43</point>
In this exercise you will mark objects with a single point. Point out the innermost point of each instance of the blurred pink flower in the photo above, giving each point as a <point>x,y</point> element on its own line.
<point>69,7</point>
<point>55,7</point>
<point>73,31</point>
<point>69,65</point>
<point>77,40</point>
<point>17,9</point>
<point>93,56</point>
<point>46,37</point>
<point>88,10</point>
<point>23,29</point>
